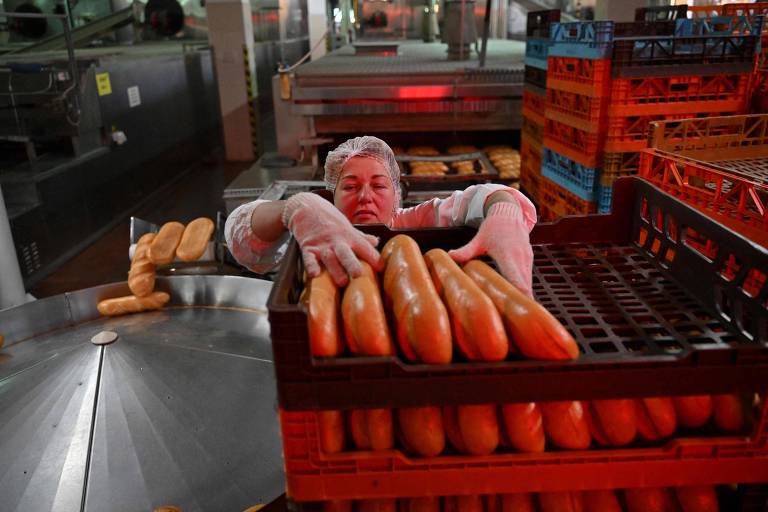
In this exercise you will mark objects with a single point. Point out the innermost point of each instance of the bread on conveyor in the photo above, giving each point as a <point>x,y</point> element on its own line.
<point>141,276</point>
<point>132,304</point>
<point>194,241</point>
<point>163,247</point>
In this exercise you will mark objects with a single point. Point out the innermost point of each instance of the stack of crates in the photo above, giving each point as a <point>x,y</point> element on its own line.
<point>737,9</point>
<point>646,323</point>
<point>607,81</point>
<point>534,97</point>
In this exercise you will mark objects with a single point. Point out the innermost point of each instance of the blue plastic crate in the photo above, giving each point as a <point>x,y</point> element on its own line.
<point>574,177</point>
<point>536,51</point>
<point>604,199</point>
<point>582,39</point>
<point>720,26</point>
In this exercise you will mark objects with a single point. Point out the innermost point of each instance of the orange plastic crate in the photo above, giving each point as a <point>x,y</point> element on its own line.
<point>580,111</point>
<point>534,132</point>
<point>560,202</point>
<point>630,133</point>
<point>736,200</point>
<point>581,76</point>
<point>533,106</point>
<point>679,94</point>
<point>580,146</point>
<point>530,154</point>
<point>619,165</point>
<point>529,181</point>
<point>312,475</point>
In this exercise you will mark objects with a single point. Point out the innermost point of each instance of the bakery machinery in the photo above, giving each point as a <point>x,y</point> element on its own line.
<point>409,94</point>
<point>173,407</point>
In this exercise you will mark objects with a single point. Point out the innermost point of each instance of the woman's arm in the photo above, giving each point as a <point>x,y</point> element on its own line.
<point>464,208</point>
<point>249,249</point>
<point>267,221</point>
<point>500,196</point>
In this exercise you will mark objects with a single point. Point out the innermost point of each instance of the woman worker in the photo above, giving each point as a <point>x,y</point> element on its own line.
<point>364,177</point>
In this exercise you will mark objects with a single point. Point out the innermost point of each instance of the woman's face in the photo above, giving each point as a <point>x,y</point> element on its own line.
<point>364,192</point>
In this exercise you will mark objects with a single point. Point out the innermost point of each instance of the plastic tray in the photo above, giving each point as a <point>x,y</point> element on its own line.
<point>556,201</point>
<point>448,181</point>
<point>714,138</point>
<point>574,177</point>
<point>720,25</point>
<point>529,182</point>
<point>580,76</point>
<point>646,327</point>
<point>581,39</point>
<point>536,51</point>
<point>639,48</point>
<point>734,199</point>
<point>585,148</point>
<point>583,112</point>
<point>743,498</point>
<point>661,55</point>
<point>630,133</point>
<point>680,94</point>
<point>618,165</point>
<point>312,475</point>
<point>533,107</point>
<point>533,131</point>
<point>604,195</point>
<point>530,166</point>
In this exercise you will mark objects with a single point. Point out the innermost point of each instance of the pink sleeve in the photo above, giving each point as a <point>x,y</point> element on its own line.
<point>462,208</point>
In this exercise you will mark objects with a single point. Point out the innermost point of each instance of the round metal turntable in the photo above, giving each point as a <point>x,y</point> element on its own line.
<point>172,407</point>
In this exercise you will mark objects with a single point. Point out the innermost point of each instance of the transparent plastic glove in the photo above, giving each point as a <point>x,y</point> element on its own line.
<point>503,235</point>
<point>327,238</point>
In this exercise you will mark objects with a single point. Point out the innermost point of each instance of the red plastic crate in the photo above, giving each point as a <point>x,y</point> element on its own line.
<point>733,199</point>
<point>530,166</point>
<point>312,475</point>
<point>587,77</point>
<point>734,9</point>
<point>580,146</point>
<point>630,133</point>
<point>679,94</point>
<point>714,138</point>
<point>529,182</point>
<point>585,267</point>
<point>583,112</point>
<point>533,106</point>
<point>619,165</point>
<point>739,498</point>
<point>533,132</point>
<point>559,202</point>
<point>530,155</point>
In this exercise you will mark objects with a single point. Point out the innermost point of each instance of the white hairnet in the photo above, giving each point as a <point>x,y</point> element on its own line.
<point>368,147</point>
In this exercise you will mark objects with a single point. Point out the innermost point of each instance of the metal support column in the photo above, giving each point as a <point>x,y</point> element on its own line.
<point>12,291</point>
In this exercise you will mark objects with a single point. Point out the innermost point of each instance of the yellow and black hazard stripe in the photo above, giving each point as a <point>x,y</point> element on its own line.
<point>252,114</point>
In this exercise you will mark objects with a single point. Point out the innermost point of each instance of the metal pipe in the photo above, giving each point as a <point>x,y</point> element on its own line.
<point>12,291</point>
<point>461,31</point>
<point>68,12</point>
<point>30,15</point>
<point>486,26</point>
